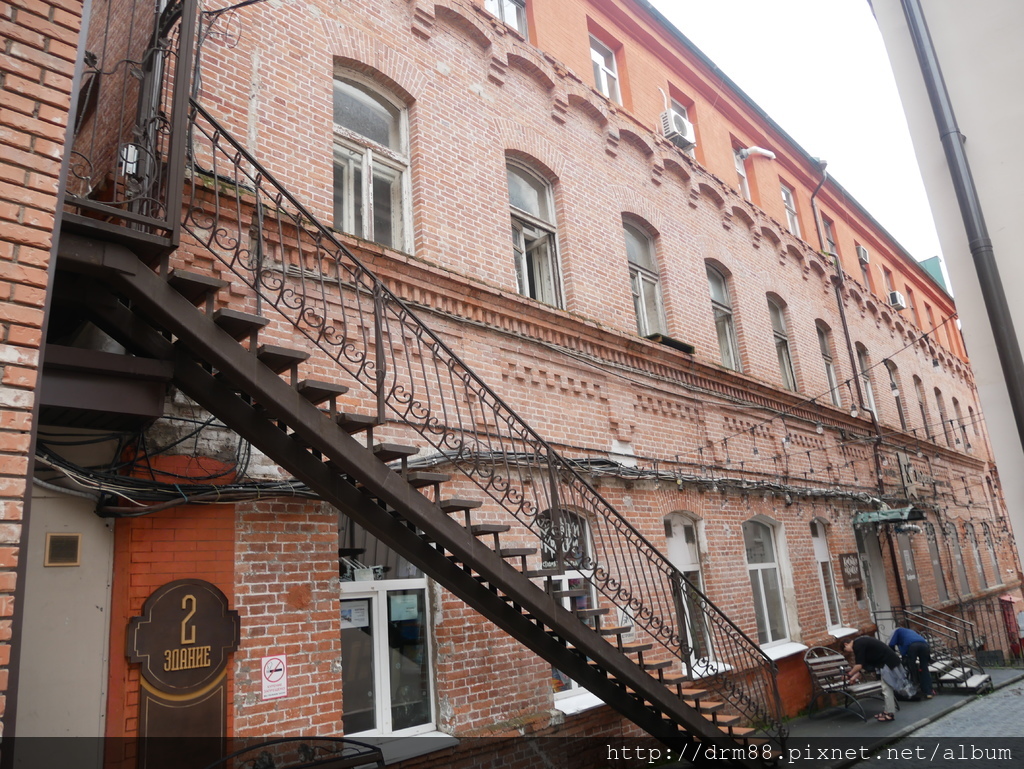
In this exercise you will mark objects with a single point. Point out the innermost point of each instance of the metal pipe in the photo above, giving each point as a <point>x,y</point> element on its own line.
<point>1000,319</point>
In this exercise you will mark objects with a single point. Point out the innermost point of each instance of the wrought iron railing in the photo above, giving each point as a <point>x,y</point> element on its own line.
<point>272,243</point>
<point>950,637</point>
<point>996,634</point>
<point>127,139</point>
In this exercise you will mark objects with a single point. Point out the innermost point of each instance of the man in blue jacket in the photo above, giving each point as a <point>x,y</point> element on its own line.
<point>917,656</point>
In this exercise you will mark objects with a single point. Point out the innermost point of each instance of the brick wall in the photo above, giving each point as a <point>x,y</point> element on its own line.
<point>38,41</point>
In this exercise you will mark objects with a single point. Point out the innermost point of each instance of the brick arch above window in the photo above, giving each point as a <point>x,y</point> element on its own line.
<point>353,50</point>
<point>530,148</point>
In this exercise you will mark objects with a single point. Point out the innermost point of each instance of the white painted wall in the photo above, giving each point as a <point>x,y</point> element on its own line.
<point>982,61</point>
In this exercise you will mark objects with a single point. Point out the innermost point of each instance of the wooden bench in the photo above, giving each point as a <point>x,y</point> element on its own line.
<point>828,675</point>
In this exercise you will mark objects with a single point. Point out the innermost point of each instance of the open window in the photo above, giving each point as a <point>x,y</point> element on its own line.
<point>644,282</point>
<point>534,236</point>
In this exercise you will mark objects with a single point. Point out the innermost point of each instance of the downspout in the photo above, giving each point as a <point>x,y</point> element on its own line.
<point>855,369</point>
<point>992,292</point>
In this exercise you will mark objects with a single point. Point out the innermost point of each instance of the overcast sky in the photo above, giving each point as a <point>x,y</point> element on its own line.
<point>819,68</point>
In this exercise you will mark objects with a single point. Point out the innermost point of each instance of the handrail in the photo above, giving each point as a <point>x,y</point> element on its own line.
<point>238,211</point>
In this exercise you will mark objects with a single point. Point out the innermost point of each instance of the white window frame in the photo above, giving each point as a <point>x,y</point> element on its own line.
<point>725,321</point>
<point>511,12</point>
<point>830,237</point>
<point>741,173</point>
<point>373,159</point>
<point>789,201</point>
<point>682,537</point>
<point>535,246</point>
<point>759,574</point>
<point>825,346</point>
<point>894,388</point>
<point>377,593</point>
<point>606,70</point>
<point>777,312</point>
<point>826,576</point>
<point>583,574</point>
<point>645,283</point>
<point>864,364</point>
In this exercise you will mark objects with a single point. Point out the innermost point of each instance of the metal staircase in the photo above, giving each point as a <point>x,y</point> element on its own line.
<point>688,675</point>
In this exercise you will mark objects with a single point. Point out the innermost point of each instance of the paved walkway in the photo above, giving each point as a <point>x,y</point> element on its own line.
<point>933,733</point>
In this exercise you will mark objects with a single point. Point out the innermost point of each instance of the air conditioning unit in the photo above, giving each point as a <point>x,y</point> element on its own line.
<point>896,300</point>
<point>862,254</point>
<point>677,129</point>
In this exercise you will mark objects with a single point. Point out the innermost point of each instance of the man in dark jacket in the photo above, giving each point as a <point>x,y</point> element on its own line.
<point>917,656</point>
<point>871,654</point>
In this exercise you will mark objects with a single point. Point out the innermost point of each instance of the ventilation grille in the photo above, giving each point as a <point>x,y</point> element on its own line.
<point>63,550</point>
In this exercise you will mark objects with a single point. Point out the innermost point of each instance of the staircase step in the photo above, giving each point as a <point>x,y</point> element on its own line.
<point>279,359</point>
<point>194,286</point>
<point>318,392</point>
<point>455,505</point>
<point>516,552</point>
<point>536,573</point>
<point>737,732</point>
<point>238,325</point>
<point>618,630</point>
<point>355,423</point>
<point>569,593</point>
<point>587,613</point>
<point>725,723</point>
<point>386,452</point>
<point>705,707</point>
<point>421,478</point>
<point>480,529</point>
<point>636,647</point>
<point>657,664</point>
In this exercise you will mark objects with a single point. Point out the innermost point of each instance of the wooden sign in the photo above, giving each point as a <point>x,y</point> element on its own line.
<point>849,564</point>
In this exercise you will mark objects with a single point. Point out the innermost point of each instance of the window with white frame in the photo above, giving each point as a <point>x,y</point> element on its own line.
<point>724,323</point>
<point>940,403</point>
<point>830,236</point>
<point>644,282</point>
<point>825,345</point>
<point>922,406</point>
<point>387,684</point>
<point>683,551</point>
<point>512,12</point>
<point>938,573</point>
<point>371,164</point>
<point>789,201</point>
<point>972,539</point>
<point>778,316</point>
<point>606,73</point>
<point>894,387</point>
<point>826,578</point>
<point>864,364</point>
<point>534,237</point>
<point>741,172</point>
<point>993,557</point>
<point>765,582</point>
<point>953,538</point>
<point>566,547</point>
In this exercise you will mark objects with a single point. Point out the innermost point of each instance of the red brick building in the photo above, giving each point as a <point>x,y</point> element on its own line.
<point>634,332</point>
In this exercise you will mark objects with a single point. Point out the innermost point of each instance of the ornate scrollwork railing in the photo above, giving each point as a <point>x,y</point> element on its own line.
<point>241,214</point>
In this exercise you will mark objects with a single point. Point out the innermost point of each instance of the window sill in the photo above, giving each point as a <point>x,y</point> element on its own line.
<point>577,703</point>
<point>784,650</point>
<point>842,632</point>
<point>397,749</point>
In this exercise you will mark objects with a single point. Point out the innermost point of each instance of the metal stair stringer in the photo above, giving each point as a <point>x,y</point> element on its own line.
<point>545,626</point>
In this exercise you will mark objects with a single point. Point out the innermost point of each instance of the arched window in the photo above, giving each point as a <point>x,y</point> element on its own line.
<point>922,406</point>
<point>864,364</point>
<point>825,345</point>
<point>972,539</point>
<point>765,582</point>
<point>724,324</point>
<point>826,579</point>
<point>938,573</point>
<point>894,387</point>
<point>990,544</point>
<point>953,539</point>
<point>683,551</point>
<point>782,351</point>
<point>534,236</point>
<point>943,417</point>
<point>644,281</point>
<point>960,431</point>
<point>565,548</point>
<point>371,163</point>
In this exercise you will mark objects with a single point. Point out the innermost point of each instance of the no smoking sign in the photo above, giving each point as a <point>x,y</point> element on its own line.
<point>275,677</point>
